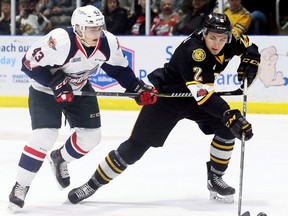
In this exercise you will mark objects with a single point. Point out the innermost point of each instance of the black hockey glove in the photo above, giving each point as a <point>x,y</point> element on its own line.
<point>237,124</point>
<point>249,64</point>
<point>61,88</point>
<point>148,94</point>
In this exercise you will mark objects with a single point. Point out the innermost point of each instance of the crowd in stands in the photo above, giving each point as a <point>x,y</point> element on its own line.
<point>127,17</point>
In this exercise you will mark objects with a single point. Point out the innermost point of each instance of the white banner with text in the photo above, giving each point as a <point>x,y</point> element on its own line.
<point>148,53</point>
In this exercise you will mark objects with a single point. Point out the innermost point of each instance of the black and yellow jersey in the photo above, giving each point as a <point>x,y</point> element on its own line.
<point>193,68</point>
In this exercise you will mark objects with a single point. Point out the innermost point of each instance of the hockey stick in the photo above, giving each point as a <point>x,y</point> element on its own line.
<point>127,94</point>
<point>242,152</point>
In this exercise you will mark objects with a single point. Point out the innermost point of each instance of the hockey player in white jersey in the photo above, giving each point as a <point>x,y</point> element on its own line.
<point>59,64</point>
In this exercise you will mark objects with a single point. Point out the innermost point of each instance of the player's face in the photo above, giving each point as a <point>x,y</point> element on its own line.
<point>92,35</point>
<point>215,42</point>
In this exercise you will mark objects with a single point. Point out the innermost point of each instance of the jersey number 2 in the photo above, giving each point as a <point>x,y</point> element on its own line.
<point>197,74</point>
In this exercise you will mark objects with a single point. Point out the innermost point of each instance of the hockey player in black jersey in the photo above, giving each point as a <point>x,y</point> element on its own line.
<point>193,68</point>
<point>60,63</point>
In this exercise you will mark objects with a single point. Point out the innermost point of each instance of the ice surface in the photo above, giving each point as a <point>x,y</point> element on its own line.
<point>168,181</point>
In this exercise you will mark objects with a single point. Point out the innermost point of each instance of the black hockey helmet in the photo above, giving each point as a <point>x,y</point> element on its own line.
<point>218,23</point>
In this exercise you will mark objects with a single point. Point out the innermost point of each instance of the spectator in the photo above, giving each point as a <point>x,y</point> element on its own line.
<point>129,5</point>
<point>155,6</point>
<point>59,12</point>
<point>164,23</point>
<point>182,6</point>
<point>5,17</point>
<point>132,5</point>
<point>178,4</point>
<point>258,24</point>
<point>239,16</point>
<point>29,21</point>
<point>136,23</point>
<point>193,18</point>
<point>96,3</point>
<point>263,15</point>
<point>115,17</point>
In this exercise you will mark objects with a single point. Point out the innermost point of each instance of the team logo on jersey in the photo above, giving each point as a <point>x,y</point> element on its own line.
<point>202,93</point>
<point>73,60</point>
<point>198,55</point>
<point>52,43</point>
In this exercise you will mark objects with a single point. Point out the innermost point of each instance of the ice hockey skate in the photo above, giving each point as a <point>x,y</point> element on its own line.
<point>219,189</point>
<point>59,168</point>
<point>17,197</point>
<point>78,194</point>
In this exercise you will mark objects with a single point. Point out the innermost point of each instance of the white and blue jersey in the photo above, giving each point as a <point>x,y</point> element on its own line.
<point>60,49</point>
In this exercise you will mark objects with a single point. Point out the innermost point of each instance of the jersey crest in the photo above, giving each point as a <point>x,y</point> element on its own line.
<point>52,43</point>
<point>198,55</point>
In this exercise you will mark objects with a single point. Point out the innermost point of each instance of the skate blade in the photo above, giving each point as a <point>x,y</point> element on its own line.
<point>12,208</point>
<point>220,198</point>
<point>54,172</point>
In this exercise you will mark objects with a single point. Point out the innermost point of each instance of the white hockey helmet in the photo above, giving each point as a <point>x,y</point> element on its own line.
<point>87,16</point>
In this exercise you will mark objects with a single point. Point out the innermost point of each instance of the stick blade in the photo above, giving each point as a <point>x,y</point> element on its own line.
<point>247,213</point>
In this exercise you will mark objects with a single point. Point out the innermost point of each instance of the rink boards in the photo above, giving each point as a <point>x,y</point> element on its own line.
<point>268,94</point>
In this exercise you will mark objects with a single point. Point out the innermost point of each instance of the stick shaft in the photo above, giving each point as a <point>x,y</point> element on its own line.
<point>242,150</point>
<point>127,94</point>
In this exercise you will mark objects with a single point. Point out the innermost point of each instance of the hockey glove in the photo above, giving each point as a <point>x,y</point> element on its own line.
<point>61,88</point>
<point>148,94</point>
<point>237,124</point>
<point>249,64</point>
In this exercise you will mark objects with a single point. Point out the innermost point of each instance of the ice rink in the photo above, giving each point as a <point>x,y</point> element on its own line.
<point>168,181</point>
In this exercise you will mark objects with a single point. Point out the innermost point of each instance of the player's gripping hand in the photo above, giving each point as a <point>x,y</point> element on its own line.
<point>248,67</point>
<point>61,88</point>
<point>237,124</point>
<point>148,94</point>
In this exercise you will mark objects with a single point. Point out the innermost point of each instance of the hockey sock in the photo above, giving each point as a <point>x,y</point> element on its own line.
<point>29,164</point>
<point>71,150</point>
<point>107,170</point>
<point>220,153</point>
